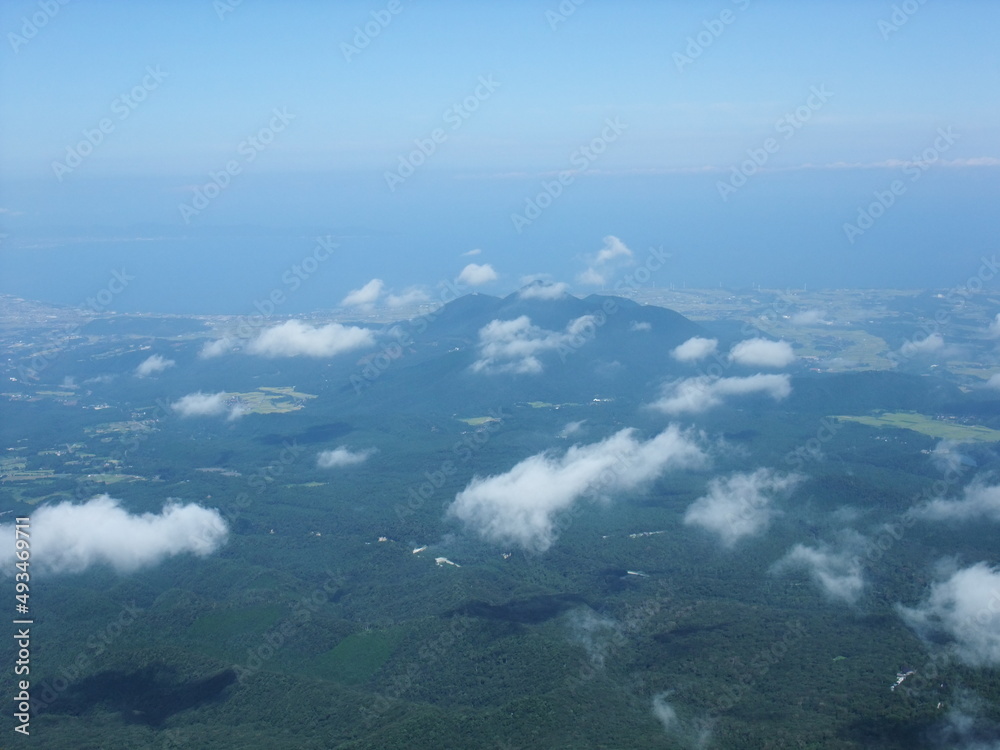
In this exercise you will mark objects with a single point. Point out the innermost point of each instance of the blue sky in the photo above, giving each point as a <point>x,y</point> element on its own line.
<point>837,97</point>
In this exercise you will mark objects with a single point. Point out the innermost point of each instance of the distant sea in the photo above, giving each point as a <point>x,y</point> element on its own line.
<point>782,229</point>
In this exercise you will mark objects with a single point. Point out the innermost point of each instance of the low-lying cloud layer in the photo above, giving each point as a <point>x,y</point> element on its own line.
<point>555,290</point>
<point>837,572</point>
<point>665,713</point>
<point>947,457</point>
<point>762,353</point>
<point>339,457</point>
<point>412,295</point>
<point>928,345</point>
<point>693,395</point>
<point>68,538</point>
<point>572,428</point>
<point>739,505</point>
<point>597,634</point>
<point>513,346</point>
<point>964,605</point>
<point>153,365</point>
<point>979,501</point>
<point>808,318</point>
<point>694,348</point>
<point>204,405</point>
<point>293,338</point>
<point>522,506</point>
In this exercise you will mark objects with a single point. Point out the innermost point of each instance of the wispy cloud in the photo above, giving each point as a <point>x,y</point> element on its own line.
<point>694,349</point>
<point>979,502</point>
<point>217,348</point>
<point>687,735</point>
<point>513,346</point>
<point>808,318</point>
<point>69,538</point>
<point>963,605</point>
<point>611,255</point>
<point>740,505</point>
<point>293,338</point>
<point>522,505</point>
<point>153,365</point>
<point>665,713</point>
<point>965,727</point>
<point>927,345</point>
<point>694,395</point>
<point>596,633</point>
<point>974,162</point>
<point>947,458</point>
<point>201,404</point>
<point>994,327</point>
<point>762,353</point>
<point>556,290</point>
<point>413,295</point>
<point>342,456</point>
<point>836,570</point>
<point>366,296</point>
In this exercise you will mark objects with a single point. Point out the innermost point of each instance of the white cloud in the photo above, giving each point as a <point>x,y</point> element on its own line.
<point>994,329</point>
<point>152,365</point>
<point>591,277</point>
<point>739,505</point>
<point>613,248</point>
<point>513,346</point>
<point>366,296</point>
<point>808,318</point>
<point>477,275</point>
<point>837,572</point>
<point>964,605</point>
<point>643,325</point>
<point>294,338</point>
<point>979,501</point>
<point>762,353</point>
<point>217,348</point>
<point>475,251</point>
<point>596,633</point>
<point>665,713</point>
<point>523,505</point>
<point>613,253</point>
<point>410,296</point>
<point>694,348</point>
<point>928,345</point>
<point>965,727</point>
<point>572,428</point>
<point>947,458</point>
<point>693,395</point>
<point>201,404</point>
<point>557,290</point>
<point>994,381</point>
<point>68,538</point>
<point>339,457</point>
